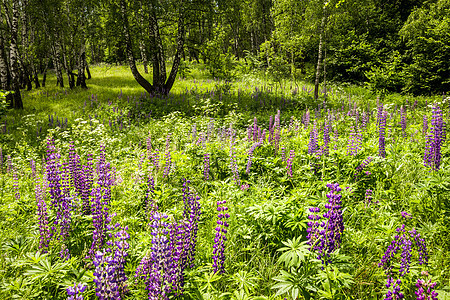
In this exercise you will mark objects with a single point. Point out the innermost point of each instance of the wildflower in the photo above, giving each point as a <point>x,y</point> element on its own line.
<point>312,145</point>
<point>250,156</point>
<point>220,238</point>
<point>434,140</point>
<point>289,163</point>
<point>382,134</point>
<point>75,292</point>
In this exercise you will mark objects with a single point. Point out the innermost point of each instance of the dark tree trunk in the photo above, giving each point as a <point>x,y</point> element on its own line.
<point>142,47</point>
<point>129,50</point>
<point>81,79</point>
<point>14,59</point>
<point>4,69</point>
<point>177,58</point>
<point>160,84</point>
<point>44,72</point>
<point>88,72</point>
<point>70,76</point>
<point>57,63</point>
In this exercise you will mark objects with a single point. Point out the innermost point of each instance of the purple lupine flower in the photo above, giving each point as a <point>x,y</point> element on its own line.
<point>104,277</point>
<point>336,138</point>
<point>234,167</point>
<point>244,187</point>
<point>395,293</point>
<point>104,176</point>
<point>382,134</point>
<point>118,247</point>
<point>206,159</point>
<point>355,141</point>
<point>315,233</point>
<point>324,237</point>
<point>361,167</point>
<point>255,130</point>
<point>425,288</point>
<point>1,160</point>
<point>289,163</point>
<point>312,145</point>
<point>33,168</point>
<point>150,204</point>
<point>75,292</point>
<point>168,166</point>
<point>249,133</point>
<point>100,218</point>
<point>16,185</point>
<point>44,230</point>
<point>335,223</point>
<point>154,265</point>
<point>9,166</point>
<point>155,159</point>
<point>435,139</point>
<point>179,241</point>
<point>403,241</point>
<point>149,146</point>
<point>86,181</point>
<point>191,215</point>
<point>283,154</point>
<point>403,120</point>
<point>326,137</point>
<point>425,125</point>
<point>250,156</point>
<point>406,215</point>
<point>75,169</point>
<point>65,203</point>
<point>220,238</point>
<point>306,119</point>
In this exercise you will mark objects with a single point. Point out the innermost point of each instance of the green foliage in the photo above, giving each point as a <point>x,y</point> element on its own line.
<point>428,41</point>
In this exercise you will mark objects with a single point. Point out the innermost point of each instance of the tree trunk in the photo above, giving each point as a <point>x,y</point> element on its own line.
<point>4,69</point>
<point>319,60</point>
<point>160,85</point>
<point>129,50</point>
<point>14,59</point>
<point>180,49</point>
<point>44,72</point>
<point>69,72</point>
<point>87,69</point>
<point>57,63</point>
<point>81,79</point>
<point>142,47</point>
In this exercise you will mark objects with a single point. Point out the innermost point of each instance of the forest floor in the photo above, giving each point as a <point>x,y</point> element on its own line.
<point>244,189</point>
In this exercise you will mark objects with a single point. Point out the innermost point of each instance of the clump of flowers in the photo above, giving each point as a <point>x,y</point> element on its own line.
<point>220,238</point>
<point>425,288</point>
<point>289,163</point>
<point>362,166</point>
<point>355,141</point>
<point>75,292</point>
<point>324,232</point>
<point>434,140</point>
<point>401,247</point>
<point>382,134</point>
<point>250,156</point>
<point>312,145</point>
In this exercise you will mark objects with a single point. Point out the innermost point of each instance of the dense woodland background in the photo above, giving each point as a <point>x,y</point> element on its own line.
<point>391,46</point>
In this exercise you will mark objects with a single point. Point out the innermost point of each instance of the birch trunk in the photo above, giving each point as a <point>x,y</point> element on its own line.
<point>14,59</point>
